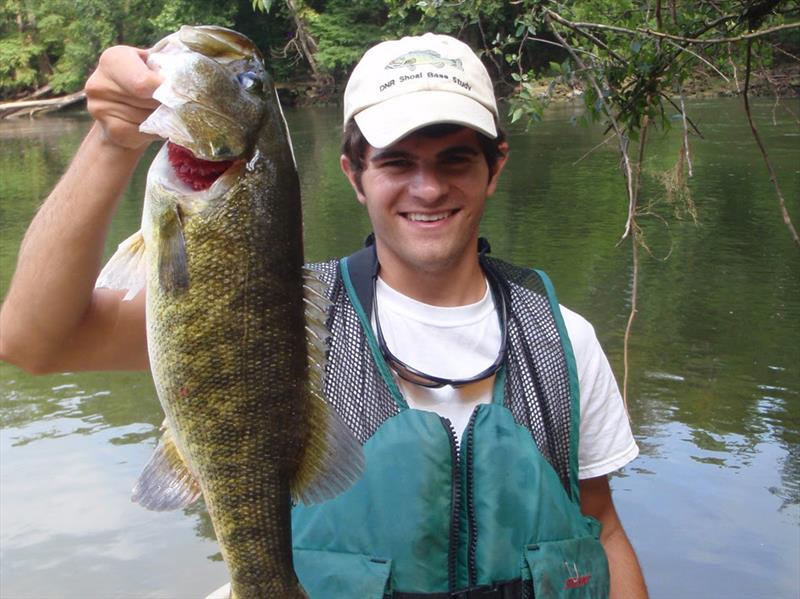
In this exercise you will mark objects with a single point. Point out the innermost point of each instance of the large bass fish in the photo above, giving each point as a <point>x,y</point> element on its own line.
<point>235,325</point>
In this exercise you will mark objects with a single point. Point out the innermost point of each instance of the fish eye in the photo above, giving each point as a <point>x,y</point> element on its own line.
<point>249,81</point>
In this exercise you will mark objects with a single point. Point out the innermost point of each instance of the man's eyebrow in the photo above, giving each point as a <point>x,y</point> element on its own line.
<point>394,154</point>
<point>388,154</point>
<point>464,149</point>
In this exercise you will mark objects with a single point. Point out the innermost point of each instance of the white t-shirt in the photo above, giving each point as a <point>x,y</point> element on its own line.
<point>461,341</point>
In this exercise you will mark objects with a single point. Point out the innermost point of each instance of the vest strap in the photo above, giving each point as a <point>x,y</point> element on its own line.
<point>511,589</point>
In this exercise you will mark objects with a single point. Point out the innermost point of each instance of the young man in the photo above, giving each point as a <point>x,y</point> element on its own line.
<point>489,415</point>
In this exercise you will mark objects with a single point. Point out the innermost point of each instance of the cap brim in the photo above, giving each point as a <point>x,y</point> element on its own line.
<point>385,123</point>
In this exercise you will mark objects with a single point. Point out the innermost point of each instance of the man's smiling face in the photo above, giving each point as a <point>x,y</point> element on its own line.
<point>425,197</point>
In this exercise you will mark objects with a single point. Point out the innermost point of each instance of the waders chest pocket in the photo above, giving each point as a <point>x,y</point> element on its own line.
<point>572,568</point>
<point>334,575</point>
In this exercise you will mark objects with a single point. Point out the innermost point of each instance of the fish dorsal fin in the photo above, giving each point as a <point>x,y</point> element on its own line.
<point>166,483</point>
<point>333,458</point>
<point>127,268</point>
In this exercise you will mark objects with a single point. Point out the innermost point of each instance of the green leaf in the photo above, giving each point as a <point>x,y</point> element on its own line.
<point>263,5</point>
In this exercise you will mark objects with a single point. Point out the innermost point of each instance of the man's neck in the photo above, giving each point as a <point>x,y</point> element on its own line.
<point>459,284</point>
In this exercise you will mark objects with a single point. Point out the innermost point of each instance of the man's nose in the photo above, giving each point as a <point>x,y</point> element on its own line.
<point>428,184</point>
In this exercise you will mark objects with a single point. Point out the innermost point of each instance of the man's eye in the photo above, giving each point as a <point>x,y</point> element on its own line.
<point>456,159</point>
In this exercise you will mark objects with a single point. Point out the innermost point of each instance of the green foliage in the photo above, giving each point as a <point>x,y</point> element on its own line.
<point>18,63</point>
<point>79,31</point>
<point>613,50</point>
<point>263,5</point>
<point>175,13</point>
<point>58,42</point>
<point>345,30</point>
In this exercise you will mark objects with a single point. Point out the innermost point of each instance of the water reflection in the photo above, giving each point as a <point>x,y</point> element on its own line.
<point>730,536</point>
<point>715,390</point>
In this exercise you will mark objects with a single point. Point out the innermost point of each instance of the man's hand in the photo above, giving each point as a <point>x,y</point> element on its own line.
<point>119,95</point>
<point>627,581</point>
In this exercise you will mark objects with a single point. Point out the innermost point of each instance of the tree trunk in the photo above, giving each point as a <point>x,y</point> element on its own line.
<point>323,82</point>
<point>30,107</point>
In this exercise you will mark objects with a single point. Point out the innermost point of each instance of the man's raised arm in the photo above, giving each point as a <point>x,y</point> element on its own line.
<point>52,318</point>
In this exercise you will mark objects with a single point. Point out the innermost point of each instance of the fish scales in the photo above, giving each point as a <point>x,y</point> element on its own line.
<point>226,324</point>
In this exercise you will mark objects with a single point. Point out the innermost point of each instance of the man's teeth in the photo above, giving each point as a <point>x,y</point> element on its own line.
<point>427,217</point>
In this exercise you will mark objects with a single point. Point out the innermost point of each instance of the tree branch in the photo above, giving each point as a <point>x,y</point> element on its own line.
<point>658,34</point>
<point>576,28</point>
<point>685,49</point>
<point>786,218</point>
<point>686,134</point>
<point>683,112</point>
<point>635,265</point>
<point>614,124</point>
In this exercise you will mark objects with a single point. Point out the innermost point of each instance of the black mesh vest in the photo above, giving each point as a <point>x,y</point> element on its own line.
<point>537,371</point>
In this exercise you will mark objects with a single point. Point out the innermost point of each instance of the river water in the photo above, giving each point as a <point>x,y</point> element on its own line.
<point>712,505</point>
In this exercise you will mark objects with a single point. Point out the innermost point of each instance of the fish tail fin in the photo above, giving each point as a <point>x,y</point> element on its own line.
<point>166,483</point>
<point>333,458</point>
<point>126,269</point>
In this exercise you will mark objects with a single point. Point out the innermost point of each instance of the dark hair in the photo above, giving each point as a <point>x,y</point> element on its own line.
<point>354,144</point>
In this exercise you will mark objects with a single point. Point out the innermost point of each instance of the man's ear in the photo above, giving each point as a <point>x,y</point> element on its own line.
<point>498,168</point>
<point>350,173</point>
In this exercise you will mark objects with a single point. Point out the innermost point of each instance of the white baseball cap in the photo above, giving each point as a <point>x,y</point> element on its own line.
<point>402,85</point>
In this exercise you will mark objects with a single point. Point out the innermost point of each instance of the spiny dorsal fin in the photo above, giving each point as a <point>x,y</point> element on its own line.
<point>333,457</point>
<point>166,483</point>
<point>127,268</point>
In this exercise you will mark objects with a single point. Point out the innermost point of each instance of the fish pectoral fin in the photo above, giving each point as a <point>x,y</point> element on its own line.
<point>166,483</point>
<point>173,272</point>
<point>333,458</point>
<point>127,268</point>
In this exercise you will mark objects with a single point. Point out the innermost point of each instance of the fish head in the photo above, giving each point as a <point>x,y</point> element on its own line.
<point>216,97</point>
<point>213,97</point>
<point>227,146</point>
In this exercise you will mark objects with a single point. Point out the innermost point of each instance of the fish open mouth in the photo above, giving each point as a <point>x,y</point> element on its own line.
<point>193,171</point>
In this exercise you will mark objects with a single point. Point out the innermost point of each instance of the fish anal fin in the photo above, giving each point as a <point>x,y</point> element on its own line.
<point>166,483</point>
<point>333,458</point>
<point>127,268</point>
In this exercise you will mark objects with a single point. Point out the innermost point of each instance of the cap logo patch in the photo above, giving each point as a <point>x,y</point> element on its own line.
<point>416,58</point>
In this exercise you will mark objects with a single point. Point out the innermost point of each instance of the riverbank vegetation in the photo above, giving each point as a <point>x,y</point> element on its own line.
<point>311,45</point>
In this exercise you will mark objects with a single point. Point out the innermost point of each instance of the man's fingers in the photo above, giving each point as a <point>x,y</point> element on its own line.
<point>133,116</point>
<point>122,76</point>
<point>119,95</point>
<point>126,67</point>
